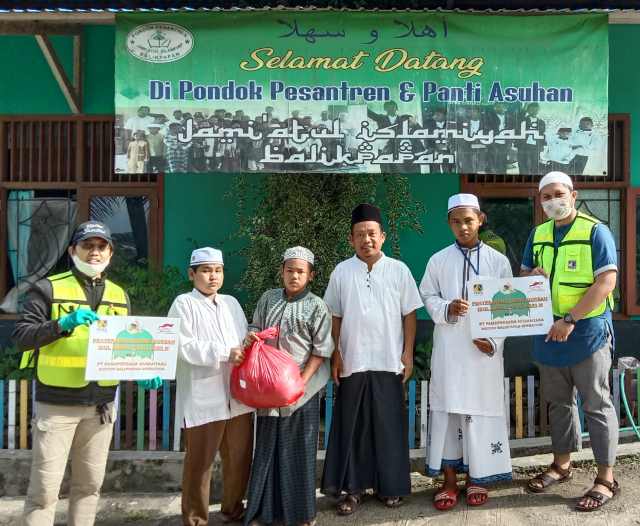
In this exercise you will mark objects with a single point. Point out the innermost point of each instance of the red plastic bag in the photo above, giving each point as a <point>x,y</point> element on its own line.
<point>268,377</point>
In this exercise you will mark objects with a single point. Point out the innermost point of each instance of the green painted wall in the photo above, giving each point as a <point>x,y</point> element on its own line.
<point>28,86</point>
<point>200,210</point>
<point>624,82</point>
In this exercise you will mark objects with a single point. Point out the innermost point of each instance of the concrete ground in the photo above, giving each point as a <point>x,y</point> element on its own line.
<point>510,504</point>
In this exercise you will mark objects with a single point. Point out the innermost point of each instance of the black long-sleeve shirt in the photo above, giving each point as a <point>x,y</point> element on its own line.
<point>36,323</point>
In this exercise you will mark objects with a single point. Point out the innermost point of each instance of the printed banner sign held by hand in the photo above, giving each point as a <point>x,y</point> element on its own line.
<point>510,307</point>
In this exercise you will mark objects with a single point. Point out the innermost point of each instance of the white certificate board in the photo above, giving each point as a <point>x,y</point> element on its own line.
<point>510,307</point>
<point>132,348</point>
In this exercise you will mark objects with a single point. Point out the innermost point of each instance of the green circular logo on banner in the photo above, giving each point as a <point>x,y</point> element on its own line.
<point>159,42</point>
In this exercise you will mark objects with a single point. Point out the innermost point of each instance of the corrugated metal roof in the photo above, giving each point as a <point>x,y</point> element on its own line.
<point>493,6</point>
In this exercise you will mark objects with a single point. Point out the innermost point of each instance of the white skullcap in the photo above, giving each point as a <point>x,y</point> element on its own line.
<point>463,201</point>
<point>206,255</point>
<point>298,253</point>
<point>555,177</point>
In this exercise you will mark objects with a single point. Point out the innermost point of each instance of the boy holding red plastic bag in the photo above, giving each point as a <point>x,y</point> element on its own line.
<point>283,477</point>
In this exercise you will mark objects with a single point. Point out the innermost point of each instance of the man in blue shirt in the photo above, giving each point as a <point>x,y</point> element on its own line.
<point>578,255</point>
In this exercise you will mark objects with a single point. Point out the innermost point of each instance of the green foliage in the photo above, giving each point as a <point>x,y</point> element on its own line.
<point>151,290</point>
<point>10,365</point>
<point>422,361</point>
<point>314,211</point>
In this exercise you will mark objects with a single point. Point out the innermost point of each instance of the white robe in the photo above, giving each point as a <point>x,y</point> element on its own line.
<point>464,380</point>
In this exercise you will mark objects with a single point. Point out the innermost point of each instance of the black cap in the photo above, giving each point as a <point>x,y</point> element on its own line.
<point>90,229</point>
<point>365,212</point>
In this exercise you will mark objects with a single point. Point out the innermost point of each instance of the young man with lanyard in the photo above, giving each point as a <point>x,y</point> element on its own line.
<point>578,255</point>
<point>212,327</point>
<point>73,417</point>
<point>373,299</point>
<point>468,428</point>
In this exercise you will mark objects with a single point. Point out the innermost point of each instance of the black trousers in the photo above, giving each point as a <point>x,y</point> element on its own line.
<point>368,445</point>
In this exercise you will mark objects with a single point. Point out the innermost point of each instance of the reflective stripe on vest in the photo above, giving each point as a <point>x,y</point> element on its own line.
<point>570,266</point>
<point>62,363</point>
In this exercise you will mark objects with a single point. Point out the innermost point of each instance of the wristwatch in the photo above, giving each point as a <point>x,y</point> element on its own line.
<point>568,318</point>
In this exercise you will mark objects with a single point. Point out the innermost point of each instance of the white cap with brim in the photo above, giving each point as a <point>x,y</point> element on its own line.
<point>206,256</point>
<point>463,201</point>
<point>555,177</point>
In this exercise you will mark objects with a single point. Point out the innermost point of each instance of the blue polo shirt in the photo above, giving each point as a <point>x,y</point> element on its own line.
<point>590,334</point>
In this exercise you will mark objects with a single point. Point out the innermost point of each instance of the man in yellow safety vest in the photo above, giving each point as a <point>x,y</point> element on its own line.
<point>578,255</point>
<point>72,417</point>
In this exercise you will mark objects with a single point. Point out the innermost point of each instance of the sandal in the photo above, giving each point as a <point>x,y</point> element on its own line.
<point>541,482</point>
<point>391,502</point>
<point>348,504</point>
<point>597,496</point>
<point>476,495</point>
<point>446,499</point>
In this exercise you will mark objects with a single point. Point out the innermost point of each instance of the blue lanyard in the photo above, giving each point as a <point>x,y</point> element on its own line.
<point>475,268</point>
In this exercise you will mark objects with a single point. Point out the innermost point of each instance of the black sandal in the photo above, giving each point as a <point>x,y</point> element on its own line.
<point>348,504</point>
<point>545,480</point>
<point>597,496</point>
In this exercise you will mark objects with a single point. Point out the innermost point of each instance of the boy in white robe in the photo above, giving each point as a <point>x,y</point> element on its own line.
<point>468,429</point>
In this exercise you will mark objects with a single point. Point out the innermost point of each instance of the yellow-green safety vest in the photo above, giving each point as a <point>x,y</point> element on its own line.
<point>62,363</point>
<point>570,266</point>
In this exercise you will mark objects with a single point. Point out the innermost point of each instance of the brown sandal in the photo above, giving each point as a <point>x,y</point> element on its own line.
<point>545,480</point>
<point>597,496</point>
<point>348,504</point>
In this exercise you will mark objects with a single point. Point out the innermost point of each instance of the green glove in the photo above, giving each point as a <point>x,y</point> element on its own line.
<point>153,383</point>
<point>76,318</point>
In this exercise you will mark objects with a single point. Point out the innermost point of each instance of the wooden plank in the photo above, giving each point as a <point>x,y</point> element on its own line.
<point>128,412</point>
<point>637,395</point>
<point>507,405</point>
<point>59,74</point>
<point>544,417</point>
<point>616,391</point>
<point>166,413</point>
<point>80,143</point>
<point>11,416</point>
<point>41,175</point>
<point>177,430</point>
<point>50,156</point>
<point>32,27</point>
<point>412,414</point>
<point>24,411</point>
<point>58,136</point>
<point>531,406</point>
<point>424,412</point>
<point>580,413</point>
<point>518,408</point>
<point>19,150</point>
<point>153,408</point>
<point>3,153</point>
<point>2,414</point>
<point>33,399</point>
<point>140,420</point>
<point>328,412</point>
<point>117,428</point>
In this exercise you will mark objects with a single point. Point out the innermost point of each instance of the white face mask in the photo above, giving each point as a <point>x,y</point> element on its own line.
<point>558,209</point>
<point>89,269</point>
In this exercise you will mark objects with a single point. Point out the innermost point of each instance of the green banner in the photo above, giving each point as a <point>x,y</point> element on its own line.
<point>340,91</point>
